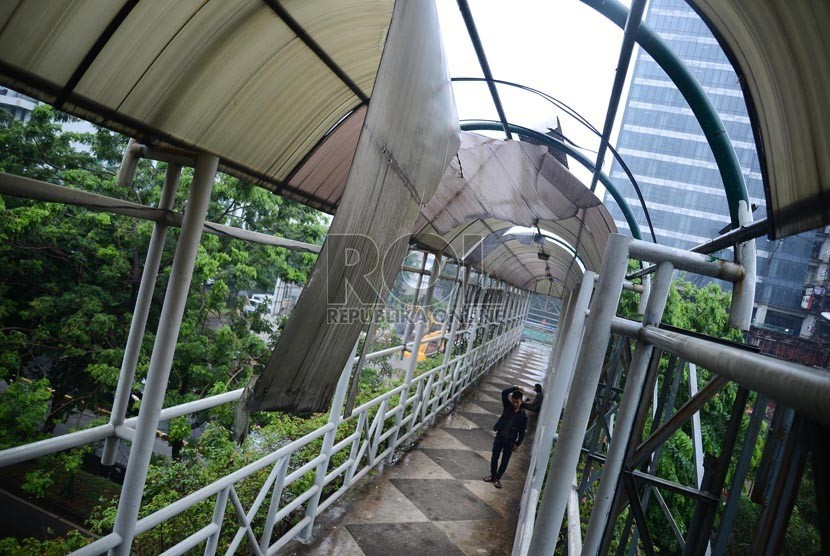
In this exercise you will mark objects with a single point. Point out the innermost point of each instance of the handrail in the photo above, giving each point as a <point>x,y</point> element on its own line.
<point>369,445</point>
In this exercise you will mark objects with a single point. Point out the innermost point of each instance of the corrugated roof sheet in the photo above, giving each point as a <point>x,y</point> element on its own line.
<point>781,51</point>
<point>233,78</point>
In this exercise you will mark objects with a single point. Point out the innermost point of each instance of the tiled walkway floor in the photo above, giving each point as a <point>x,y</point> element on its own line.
<point>433,501</point>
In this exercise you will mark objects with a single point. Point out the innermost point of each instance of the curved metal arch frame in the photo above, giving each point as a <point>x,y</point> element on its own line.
<point>705,113</point>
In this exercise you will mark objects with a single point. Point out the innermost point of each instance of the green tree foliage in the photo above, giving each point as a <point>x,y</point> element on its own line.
<point>69,278</point>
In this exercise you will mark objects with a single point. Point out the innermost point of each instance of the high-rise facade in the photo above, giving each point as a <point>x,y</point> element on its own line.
<point>19,105</point>
<point>664,146</point>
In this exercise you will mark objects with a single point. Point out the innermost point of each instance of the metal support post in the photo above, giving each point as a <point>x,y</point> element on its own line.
<point>564,371</point>
<point>407,382</point>
<point>540,451</point>
<point>697,435</point>
<point>730,511</point>
<point>449,346</point>
<point>698,536</point>
<point>276,304</point>
<point>408,326</point>
<point>437,268</point>
<point>772,526</point>
<point>335,418</point>
<point>562,329</point>
<point>562,375</point>
<point>143,302</point>
<point>641,307</point>
<point>777,433</point>
<point>604,498</point>
<point>468,357</point>
<point>583,388</point>
<point>743,293</point>
<point>161,360</point>
<point>367,341</point>
<point>457,292</point>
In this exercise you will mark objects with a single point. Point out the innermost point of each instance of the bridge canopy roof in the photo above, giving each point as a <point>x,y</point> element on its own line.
<point>781,52</point>
<point>279,90</point>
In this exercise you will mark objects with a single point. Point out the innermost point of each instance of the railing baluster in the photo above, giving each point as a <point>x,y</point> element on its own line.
<point>378,426</point>
<point>218,517</point>
<point>282,468</point>
<point>335,418</point>
<point>353,455</point>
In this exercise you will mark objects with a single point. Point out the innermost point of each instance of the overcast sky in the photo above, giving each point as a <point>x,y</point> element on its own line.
<point>561,47</point>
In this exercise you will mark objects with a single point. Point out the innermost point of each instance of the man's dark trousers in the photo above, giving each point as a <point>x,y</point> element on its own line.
<point>504,447</point>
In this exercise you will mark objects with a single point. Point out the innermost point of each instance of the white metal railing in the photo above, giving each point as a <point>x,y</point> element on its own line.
<point>374,431</point>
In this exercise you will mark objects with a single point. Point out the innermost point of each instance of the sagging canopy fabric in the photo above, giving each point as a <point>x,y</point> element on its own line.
<point>781,52</point>
<point>259,83</point>
<point>410,133</point>
<point>490,201</point>
<point>489,187</point>
<point>511,180</point>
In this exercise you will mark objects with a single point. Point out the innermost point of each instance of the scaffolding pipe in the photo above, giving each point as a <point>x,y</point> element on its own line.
<point>800,387</point>
<point>580,399</point>
<point>161,360</point>
<point>553,403</point>
<point>805,389</point>
<point>633,392</point>
<point>574,521</point>
<point>684,260</point>
<point>144,300</point>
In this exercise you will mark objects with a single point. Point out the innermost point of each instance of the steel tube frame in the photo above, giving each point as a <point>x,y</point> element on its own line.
<point>27,188</point>
<point>739,477</point>
<point>685,260</point>
<point>798,386</point>
<point>530,492</point>
<point>408,326</point>
<point>604,498</point>
<point>578,408</point>
<point>482,61</point>
<point>563,375</point>
<point>138,323</point>
<point>162,357</point>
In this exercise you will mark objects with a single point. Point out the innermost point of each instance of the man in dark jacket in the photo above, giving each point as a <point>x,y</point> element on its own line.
<point>510,431</point>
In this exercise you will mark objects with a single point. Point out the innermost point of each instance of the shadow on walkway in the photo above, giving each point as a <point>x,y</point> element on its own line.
<point>433,501</point>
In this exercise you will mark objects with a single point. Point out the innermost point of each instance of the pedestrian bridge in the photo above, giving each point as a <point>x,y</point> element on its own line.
<point>432,500</point>
<point>350,110</point>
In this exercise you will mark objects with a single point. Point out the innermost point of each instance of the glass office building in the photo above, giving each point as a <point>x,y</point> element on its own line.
<point>665,148</point>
